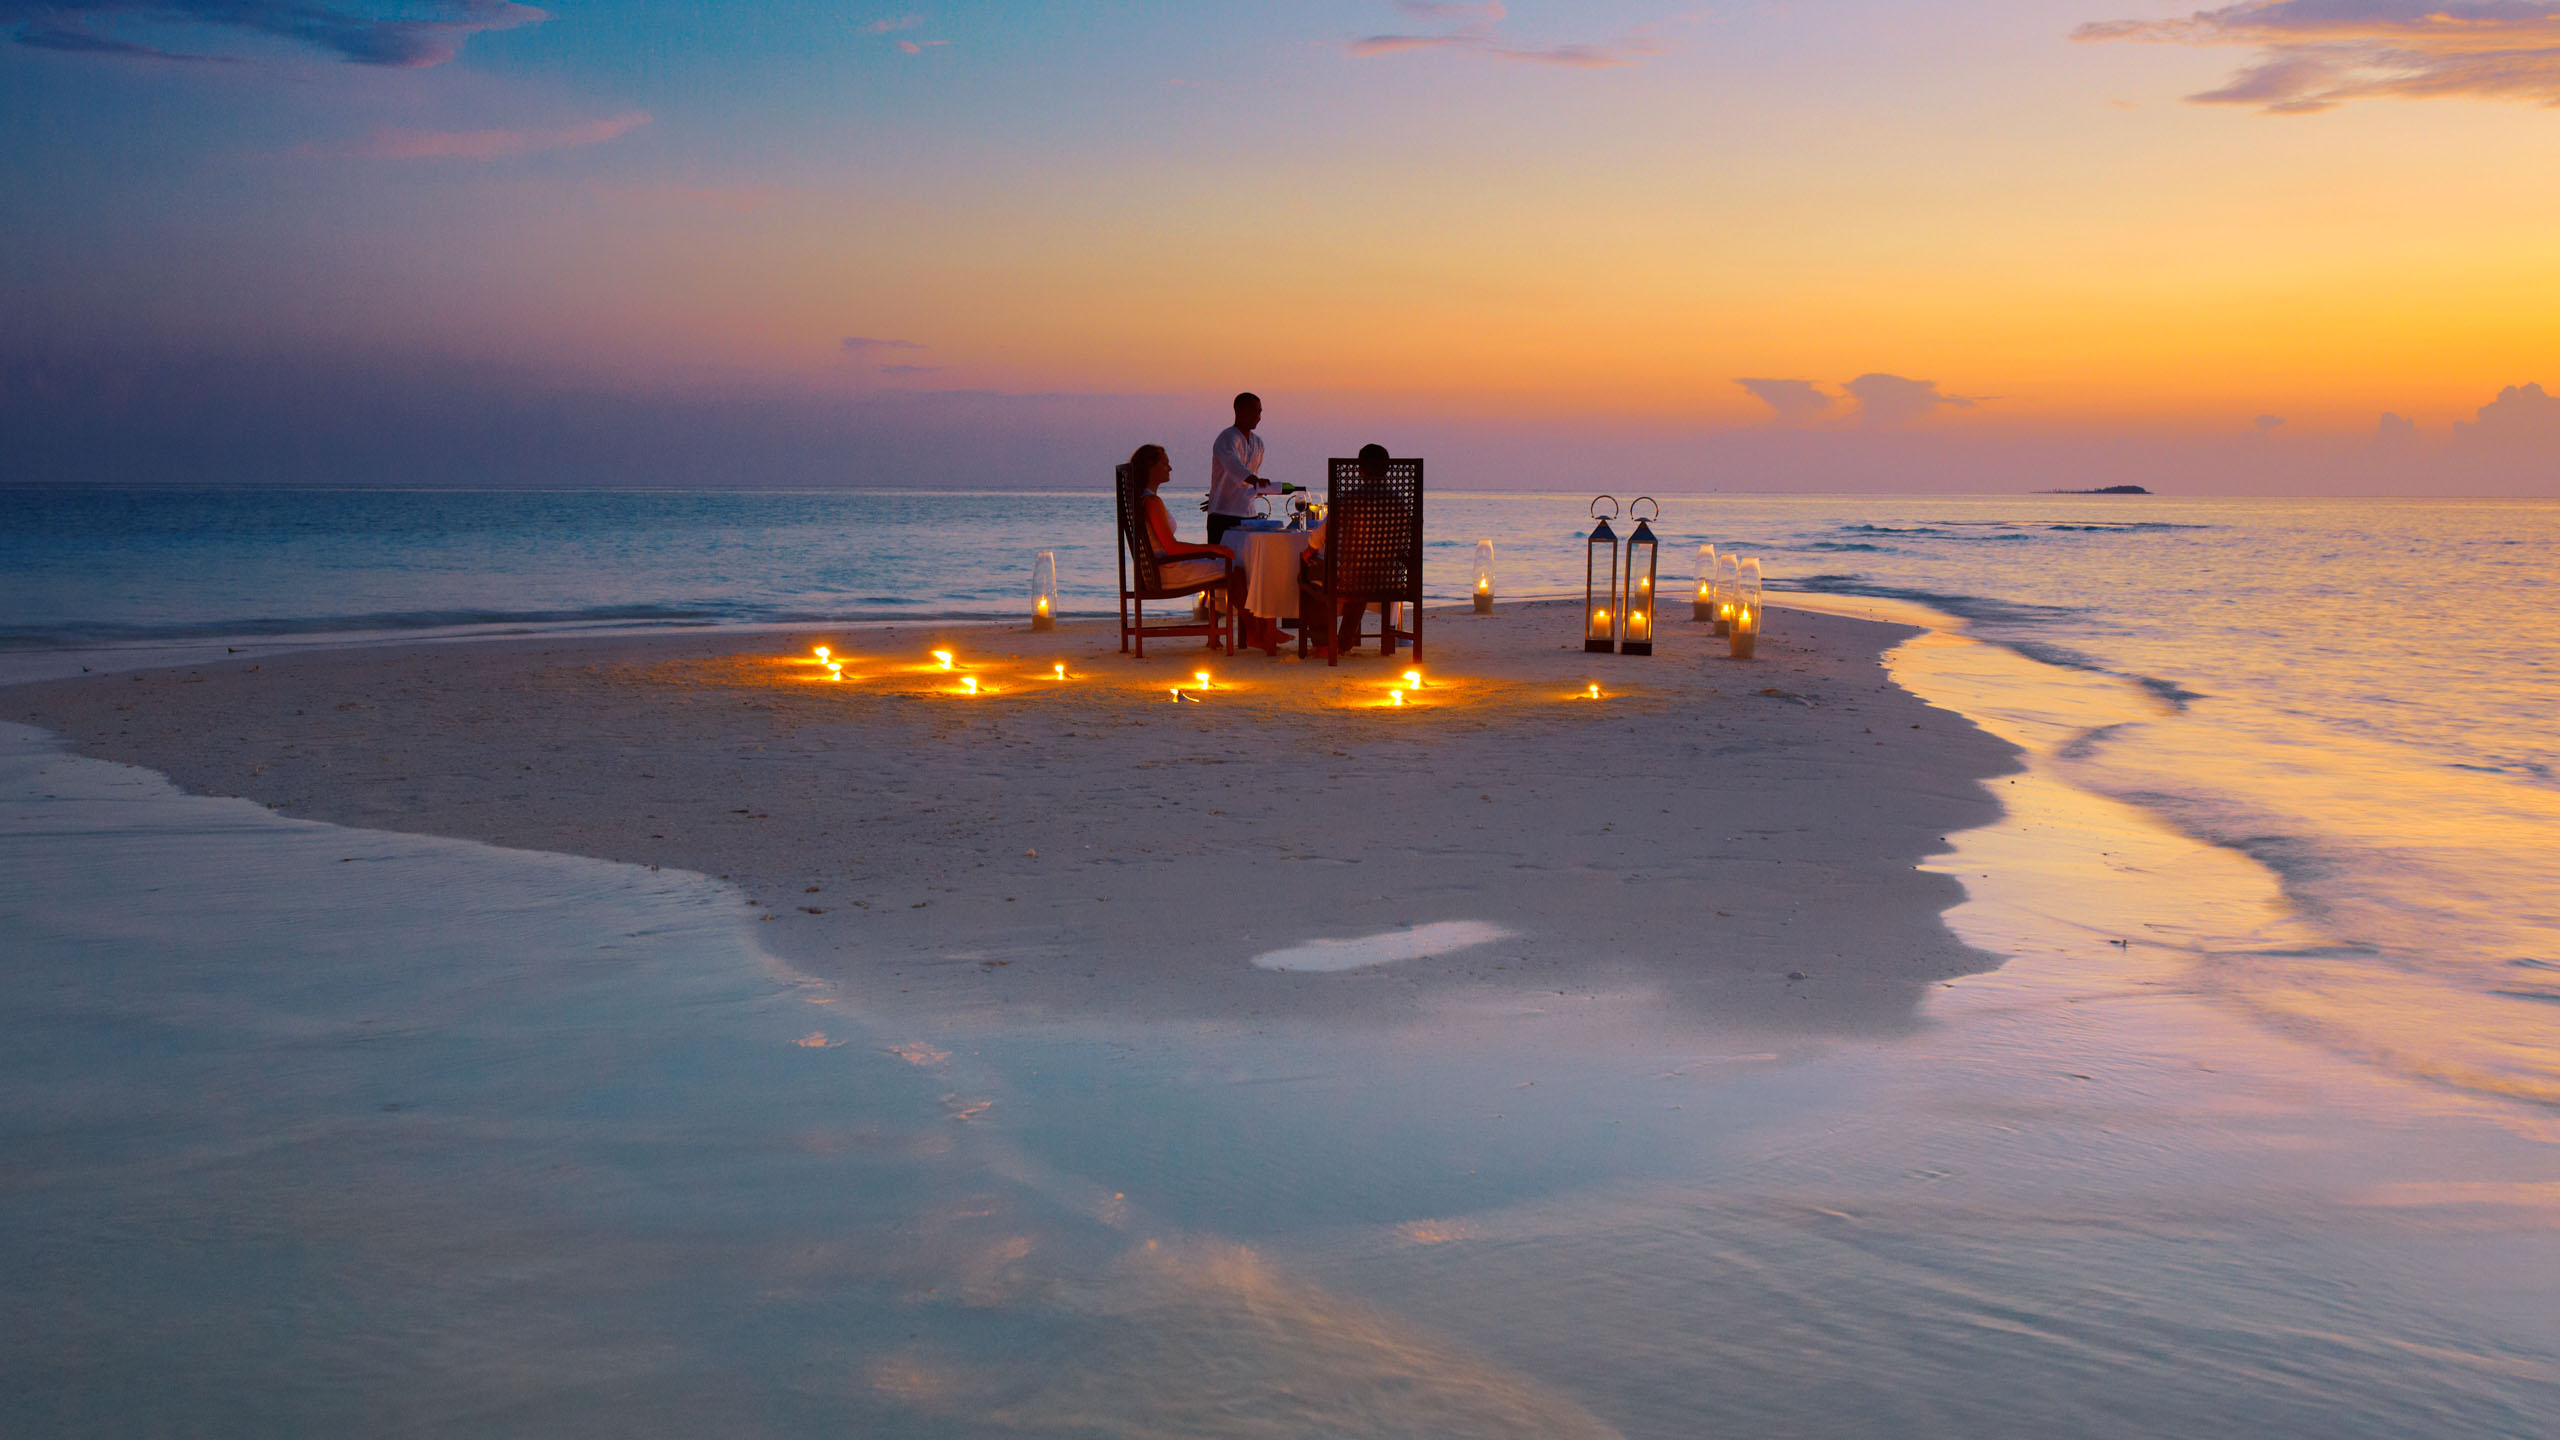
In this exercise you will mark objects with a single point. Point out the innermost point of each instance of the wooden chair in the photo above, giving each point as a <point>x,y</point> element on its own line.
<point>1372,556</point>
<point>1137,553</point>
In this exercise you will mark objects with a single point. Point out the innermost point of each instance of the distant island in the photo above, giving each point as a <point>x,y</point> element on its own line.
<point>2102,490</point>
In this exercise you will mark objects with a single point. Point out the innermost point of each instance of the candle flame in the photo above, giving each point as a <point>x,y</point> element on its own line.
<point>944,657</point>
<point>822,654</point>
<point>1413,678</point>
<point>1635,617</point>
<point>1594,691</point>
<point>1061,668</point>
<point>1176,693</point>
<point>1483,584</point>
<point>1745,616</point>
<point>1044,604</point>
<point>1202,676</point>
<point>1395,697</point>
<point>969,684</point>
<point>1599,617</point>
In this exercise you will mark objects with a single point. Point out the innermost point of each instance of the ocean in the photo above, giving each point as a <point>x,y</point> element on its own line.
<point>2354,695</point>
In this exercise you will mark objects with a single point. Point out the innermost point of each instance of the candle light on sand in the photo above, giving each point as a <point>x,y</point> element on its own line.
<point>968,684</point>
<point>1728,576</point>
<point>1201,677</point>
<point>1592,691</point>
<point>1746,609</point>
<point>1484,577</point>
<point>1599,586</point>
<point>1413,679</point>
<point>1061,669</point>
<point>1705,606</point>
<point>1044,591</point>
<point>1395,697</point>
<point>823,653</point>
<point>942,658</point>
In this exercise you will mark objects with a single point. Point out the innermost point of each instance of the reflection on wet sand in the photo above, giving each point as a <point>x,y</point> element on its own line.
<point>460,1140</point>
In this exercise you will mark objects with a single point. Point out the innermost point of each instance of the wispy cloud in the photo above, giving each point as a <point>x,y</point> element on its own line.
<point>893,23</point>
<point>913,369</point>
<point>496,144</point>
<point>2316,54</point>
<point>1876,401</point>
<point>864,345</point>
<point>1794,402</point>
<point>1476,30</point>
<point>411,36</point>
<point>1888,401</point>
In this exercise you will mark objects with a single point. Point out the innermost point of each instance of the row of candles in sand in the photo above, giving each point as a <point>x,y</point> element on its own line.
<point>1618,598</point>
<point>1201,681</point>
<point>1729,597</point>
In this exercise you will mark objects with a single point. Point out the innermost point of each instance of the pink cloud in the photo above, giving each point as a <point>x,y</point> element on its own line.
<point>1475,34</point>
<point>2316,54</point>
<point>495,144</point>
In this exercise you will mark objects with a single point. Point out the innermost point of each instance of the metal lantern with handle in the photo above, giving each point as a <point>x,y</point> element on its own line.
<point>1746,610</point>
<point>1599,584</point>
<point>1635,631</point>
<point>1728,578</point>
<point>1044,591</point>
<point>1705,606</point>
<point>1484,577</point>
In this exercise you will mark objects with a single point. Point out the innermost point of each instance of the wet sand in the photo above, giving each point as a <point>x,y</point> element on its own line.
<point>1740,837</point>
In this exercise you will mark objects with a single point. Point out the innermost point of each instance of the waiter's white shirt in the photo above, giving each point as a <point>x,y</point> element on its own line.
<point>1233,462</point>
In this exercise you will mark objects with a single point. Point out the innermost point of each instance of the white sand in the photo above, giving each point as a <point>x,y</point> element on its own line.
<point>1744,833</point>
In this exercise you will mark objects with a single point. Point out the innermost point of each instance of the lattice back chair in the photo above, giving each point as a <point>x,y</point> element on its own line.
<point>1372,555</point>
<point>1139,562</point>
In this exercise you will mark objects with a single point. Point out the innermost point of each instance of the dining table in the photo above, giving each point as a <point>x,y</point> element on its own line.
<point>1269,556</point>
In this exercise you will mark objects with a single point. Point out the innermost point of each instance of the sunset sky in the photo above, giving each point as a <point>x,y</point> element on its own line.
<point>1979,244</point>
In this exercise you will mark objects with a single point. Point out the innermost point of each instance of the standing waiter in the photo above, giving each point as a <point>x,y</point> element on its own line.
<point>1235,470</point>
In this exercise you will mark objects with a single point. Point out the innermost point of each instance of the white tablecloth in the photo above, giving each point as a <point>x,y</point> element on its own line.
<point>1270,561</point>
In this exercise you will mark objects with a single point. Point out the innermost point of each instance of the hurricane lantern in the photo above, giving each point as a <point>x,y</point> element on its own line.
<point>1484,577</point>
<point>1746,610</point>
<point>1636,631</point>
<point>1705,607</point>
<point>1728,575</point>
<point>1044,590</point>
<point>1599,585</point>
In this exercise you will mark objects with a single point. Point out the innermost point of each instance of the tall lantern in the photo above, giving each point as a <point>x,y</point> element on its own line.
<point>1600,587</point>
<point>1484,577</point>
<point>1044,591</point>
<point>1728,579</point>
<point>1746,610</point>
<point>1705,606</point>
<point>1637,631</point>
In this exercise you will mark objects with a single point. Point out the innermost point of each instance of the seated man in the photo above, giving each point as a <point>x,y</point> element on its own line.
<point>1373,468</point>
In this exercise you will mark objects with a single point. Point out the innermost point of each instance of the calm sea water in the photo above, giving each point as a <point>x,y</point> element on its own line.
<point>321,1128</point>
<point>2356,693</point>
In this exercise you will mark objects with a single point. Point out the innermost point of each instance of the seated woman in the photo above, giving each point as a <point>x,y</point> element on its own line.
<point>1179,562</point>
